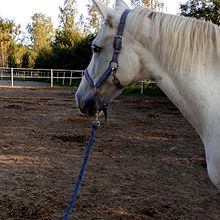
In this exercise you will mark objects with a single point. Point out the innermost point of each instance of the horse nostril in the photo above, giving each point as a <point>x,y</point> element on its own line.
<point>90,107</point>
<point>86,103</point>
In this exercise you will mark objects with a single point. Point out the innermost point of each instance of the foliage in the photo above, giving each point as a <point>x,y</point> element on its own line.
<point>68,33</point>
<point>81,53</point>
<point>208,10</point>
<point>41,32</point>
<point>149,89</point>
<point>44,59</point>
<point>8,32</point>
<point>93,20</point>
<point>15,58</point>
<point>153,4</point>
<point>68,15</point>
<point>74,57</point>
<point>71,48</point>
<point>66,38</point>
<point>28,59</point>
<point>67,47</point>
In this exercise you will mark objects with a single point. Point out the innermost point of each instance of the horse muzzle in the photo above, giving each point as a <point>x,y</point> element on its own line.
<point>87,104</point>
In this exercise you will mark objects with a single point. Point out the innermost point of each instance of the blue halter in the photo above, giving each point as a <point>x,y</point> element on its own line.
<point>112,68</point>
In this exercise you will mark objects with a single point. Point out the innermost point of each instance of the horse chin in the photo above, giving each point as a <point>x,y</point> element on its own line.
<point>88,110</point>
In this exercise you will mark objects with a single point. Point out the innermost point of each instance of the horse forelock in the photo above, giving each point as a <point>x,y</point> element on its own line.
<point>179,43</point>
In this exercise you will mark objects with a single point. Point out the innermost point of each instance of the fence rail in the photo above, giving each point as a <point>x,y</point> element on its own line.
<point>51,75</point>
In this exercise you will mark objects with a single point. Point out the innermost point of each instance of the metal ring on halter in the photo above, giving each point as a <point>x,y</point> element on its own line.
<point>113,65</point>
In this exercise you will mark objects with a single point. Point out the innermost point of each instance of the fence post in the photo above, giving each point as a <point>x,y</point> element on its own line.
<point>2,75</point>
<point>51,78</point>
<point>12,77</point>
<point>71,77</point>
<point>142,87</point>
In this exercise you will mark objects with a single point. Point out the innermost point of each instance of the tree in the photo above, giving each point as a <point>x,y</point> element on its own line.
<point>153,4</point>
<point>28,59</point>
<point>8,32</point>
<point>93,21</point>
<point>208,10</point>
<point>81,53</point>
<point>68,15</point>
<point>68,33</point>
<point>15,58</point>
<point>41,32</point>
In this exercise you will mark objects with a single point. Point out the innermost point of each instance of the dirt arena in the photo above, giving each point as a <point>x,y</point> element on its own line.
<point>147,162</point>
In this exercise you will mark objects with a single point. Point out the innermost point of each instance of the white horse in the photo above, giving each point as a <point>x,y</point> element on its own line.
<point>182,55</point>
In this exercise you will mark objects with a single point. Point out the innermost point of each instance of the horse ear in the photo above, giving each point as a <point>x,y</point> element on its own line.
<point>120,4</point>
<point>103,9</point>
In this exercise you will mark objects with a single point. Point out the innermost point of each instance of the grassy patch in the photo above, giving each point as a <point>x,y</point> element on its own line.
<point>149,89</point>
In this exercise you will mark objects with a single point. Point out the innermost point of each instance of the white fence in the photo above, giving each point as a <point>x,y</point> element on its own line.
<point>52,76</point>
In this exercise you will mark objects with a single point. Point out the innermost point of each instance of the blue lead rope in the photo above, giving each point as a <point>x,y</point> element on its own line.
<point>82,170</point>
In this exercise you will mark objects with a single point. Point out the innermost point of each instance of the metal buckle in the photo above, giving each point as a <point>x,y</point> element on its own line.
<point>118,43</point>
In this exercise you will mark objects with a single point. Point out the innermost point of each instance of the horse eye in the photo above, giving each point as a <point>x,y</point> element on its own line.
<point>96,49</point>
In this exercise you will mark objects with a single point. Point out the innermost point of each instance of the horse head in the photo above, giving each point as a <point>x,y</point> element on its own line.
<point>115,57</point>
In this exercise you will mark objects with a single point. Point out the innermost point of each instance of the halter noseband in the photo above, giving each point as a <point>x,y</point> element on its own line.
<point>112,68</point>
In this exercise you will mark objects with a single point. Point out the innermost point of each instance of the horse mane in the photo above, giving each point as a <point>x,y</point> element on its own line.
<point>180,43</point>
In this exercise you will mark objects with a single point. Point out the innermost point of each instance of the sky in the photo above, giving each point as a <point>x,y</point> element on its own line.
<point>21,10</point>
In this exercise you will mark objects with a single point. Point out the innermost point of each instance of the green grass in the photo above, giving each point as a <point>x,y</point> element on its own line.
<point>150,89</point>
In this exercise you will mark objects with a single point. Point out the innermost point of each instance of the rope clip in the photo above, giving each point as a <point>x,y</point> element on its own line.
<point>96,122</point>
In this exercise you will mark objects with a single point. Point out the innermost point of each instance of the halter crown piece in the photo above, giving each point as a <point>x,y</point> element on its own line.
<point>111,70</point>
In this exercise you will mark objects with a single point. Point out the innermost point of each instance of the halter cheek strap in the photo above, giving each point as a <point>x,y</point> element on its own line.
<point>111,69</point>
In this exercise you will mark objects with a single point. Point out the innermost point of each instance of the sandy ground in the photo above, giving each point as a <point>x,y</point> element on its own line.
<point>147,162</point>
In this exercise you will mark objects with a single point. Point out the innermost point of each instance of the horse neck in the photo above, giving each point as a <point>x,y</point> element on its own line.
<point>186,83</point>
<point>192,86</point>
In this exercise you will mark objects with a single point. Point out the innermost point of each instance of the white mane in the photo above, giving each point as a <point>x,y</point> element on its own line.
<point>177,41</point>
